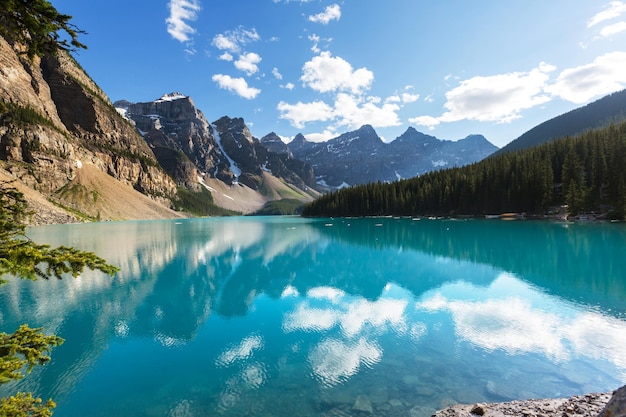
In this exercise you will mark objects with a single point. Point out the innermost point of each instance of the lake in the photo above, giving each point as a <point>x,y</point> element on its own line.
<point>284,316</point>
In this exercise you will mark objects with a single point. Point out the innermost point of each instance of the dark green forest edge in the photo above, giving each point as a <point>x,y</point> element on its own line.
<point>584,174</point>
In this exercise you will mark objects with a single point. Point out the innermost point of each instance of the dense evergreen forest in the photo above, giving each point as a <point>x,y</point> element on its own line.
<point>587,173</point>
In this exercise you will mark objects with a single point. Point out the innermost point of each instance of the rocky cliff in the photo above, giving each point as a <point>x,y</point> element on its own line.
<point>188,146</point>
<point>54,120</point>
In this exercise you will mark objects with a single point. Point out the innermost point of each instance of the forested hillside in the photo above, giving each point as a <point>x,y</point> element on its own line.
<point>585,172</point>
<point>598,114</point>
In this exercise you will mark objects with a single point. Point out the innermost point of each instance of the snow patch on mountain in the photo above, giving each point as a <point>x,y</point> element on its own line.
<point>233,166</point>
<point>170,97</point>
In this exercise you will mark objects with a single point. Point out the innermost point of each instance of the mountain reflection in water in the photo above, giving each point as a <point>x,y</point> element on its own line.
<point>233,315</point>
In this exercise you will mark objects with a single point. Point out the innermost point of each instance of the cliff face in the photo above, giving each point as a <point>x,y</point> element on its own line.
<point>54,119</point>
<point>225,150</point>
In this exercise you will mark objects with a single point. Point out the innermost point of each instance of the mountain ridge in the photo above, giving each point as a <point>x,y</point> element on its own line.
<point>361,156</point>
<point>606,110</point>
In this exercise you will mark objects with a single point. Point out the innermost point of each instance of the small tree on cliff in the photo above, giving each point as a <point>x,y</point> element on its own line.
<point>38,26</point>
<point>21,257</point>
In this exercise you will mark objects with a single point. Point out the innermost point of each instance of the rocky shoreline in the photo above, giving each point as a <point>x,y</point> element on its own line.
<point>611,404</point>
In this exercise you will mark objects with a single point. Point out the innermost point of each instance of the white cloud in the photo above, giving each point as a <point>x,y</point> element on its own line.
<point>604,75</point>
<point>348,110</point>
<point>301,113</point>
<point>226,57</point>
<point>353,112</point>
<point>316,40</point>
<point>277,73</point>
<point>613,10</point>
<point>325,73</point>
<point>428,121</point>
<point>404,98</point>
<point>236,85</point>
<point>332,12</point>
<point>322,136</point>
<point>234,40</point>
<point>288,86</point>
<point>613,29</point>
<point>498,98</point>
<point>182,11</point>
<point>410,98</point>
<point>248,63</point>
<point>223,42</point>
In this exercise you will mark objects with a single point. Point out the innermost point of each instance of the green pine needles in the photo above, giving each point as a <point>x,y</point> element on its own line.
<point>21,257</point>
<point>38,26</point>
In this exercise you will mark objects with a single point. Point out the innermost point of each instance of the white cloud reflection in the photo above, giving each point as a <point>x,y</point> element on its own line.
<point>509,324</point>
<point>352,316</point>
<point>334,361</point>
<point>508,315</point>
<point>517,326</point>
<point>329,293</point>
<point>241,351</point>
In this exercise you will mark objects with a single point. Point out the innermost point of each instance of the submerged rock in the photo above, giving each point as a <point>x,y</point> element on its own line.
<point>419,411</point>
<point>363,404</point>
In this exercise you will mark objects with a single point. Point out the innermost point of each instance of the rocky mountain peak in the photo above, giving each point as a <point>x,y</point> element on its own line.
<point>365,138</point>
<point>412,136</point>
<point>171,97</point>
<point>235,126</point>
<point>188,146</point>
<point>274,143</point>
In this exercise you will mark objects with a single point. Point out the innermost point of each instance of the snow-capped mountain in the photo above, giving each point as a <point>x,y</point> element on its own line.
<point>188,146</point>
<point>361,156</point>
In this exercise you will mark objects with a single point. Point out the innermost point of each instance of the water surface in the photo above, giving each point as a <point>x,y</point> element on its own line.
<point>289,316</point>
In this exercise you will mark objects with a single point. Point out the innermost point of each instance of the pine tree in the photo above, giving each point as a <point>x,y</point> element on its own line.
<point>21,257</point>
<point>38,26</point>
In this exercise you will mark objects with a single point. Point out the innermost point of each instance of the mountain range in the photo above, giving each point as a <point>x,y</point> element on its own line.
<point>78,156</point>
<point>225,149</point>
<point>361,156</point>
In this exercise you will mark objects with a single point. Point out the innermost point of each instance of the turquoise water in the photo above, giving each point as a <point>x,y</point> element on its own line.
<point>296,317</point>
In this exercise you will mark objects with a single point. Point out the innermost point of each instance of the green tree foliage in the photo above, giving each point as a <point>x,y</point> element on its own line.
<point>25,405</point>
<point>21,257</point>
<point>585,172</point>
<point>38,26</point>
<point>283,207</point>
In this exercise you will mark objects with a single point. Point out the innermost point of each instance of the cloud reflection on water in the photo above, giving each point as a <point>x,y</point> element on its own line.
<point>530,323</point>
<point>334,361</point>
<point>241,351</point>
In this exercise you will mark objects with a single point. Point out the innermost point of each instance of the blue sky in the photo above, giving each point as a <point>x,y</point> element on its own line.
<point>448,68</point>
